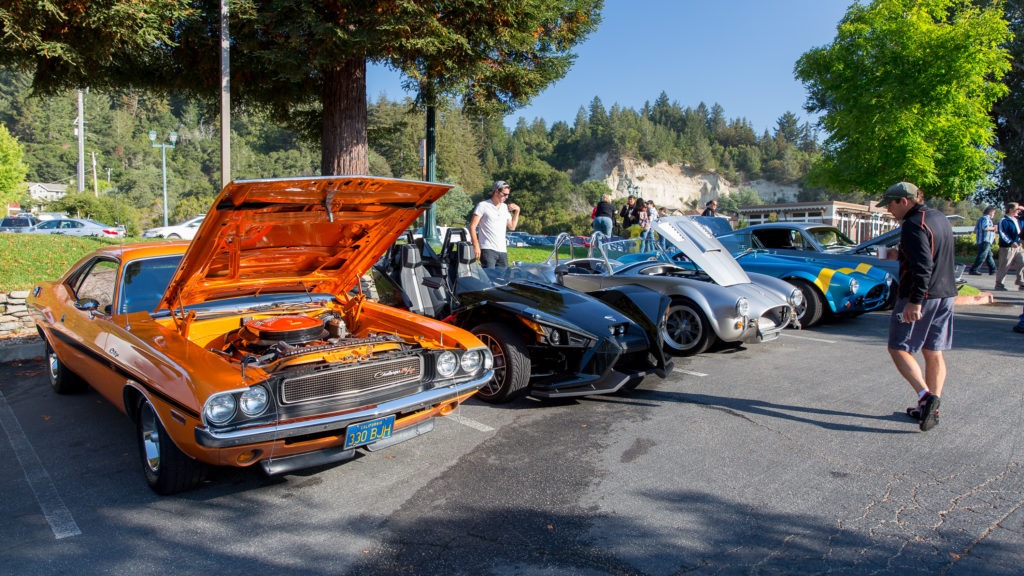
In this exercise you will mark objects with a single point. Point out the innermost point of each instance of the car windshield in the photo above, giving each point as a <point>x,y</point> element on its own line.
<point>830,238</point>
<point>740,242</point>
<point>16,223</point>
<point>473,277</point>
<point>146,280</point>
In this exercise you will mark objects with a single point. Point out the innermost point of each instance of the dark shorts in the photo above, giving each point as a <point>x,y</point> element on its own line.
<point>493,258</point>
<point>934,331</point>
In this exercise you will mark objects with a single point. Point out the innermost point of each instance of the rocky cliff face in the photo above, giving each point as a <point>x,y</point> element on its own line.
<point>675,186</point>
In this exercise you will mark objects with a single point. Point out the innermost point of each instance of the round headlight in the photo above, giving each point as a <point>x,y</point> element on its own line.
<point>220,408</point>
<point>854,285</point>
<point>796,297</point>
<point>471,361</point>
<point>447,364</point>
<point>742,307</point>
<point>254,401</point>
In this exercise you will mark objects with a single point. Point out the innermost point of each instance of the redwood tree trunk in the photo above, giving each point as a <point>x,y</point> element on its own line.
<point>343,144</point>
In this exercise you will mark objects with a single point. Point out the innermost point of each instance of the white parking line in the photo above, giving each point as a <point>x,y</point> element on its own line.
<point>472,423</point>
<point>58,516</point>
<point>788,335</point>
<point>690,372</point>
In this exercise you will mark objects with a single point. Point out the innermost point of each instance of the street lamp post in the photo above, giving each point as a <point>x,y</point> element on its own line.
<point>172,138</point>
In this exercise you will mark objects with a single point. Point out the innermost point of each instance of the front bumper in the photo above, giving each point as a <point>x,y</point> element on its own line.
<point>208,438</point>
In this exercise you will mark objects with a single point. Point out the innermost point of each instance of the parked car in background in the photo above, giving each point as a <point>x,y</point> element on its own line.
<point>808,238</point>
<point>712,298</point>
<point>78,227</point>
<point>831,288</point>
<point>184,231</point>
<point>245,347</point>
<point>19,223</point>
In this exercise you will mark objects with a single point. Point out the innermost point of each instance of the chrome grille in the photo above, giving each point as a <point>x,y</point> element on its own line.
<point>352,380</point>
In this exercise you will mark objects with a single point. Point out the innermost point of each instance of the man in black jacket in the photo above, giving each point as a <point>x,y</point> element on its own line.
<point>922,318</point>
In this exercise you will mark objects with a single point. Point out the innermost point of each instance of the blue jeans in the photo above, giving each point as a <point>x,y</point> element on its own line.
<point>603,224</point>
<point>984,257</point>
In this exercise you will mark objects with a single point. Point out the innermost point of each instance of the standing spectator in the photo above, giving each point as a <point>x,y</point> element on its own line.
<point>710,208</point>
<point>651,216</point>
<point>922,317</point>
<point>1009,244</point>
<point>604,212</point>
<point>984,234</point>
<point>629,214</point>
<point>491,220</point>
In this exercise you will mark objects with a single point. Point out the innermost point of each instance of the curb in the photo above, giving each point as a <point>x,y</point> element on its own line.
<point>983,298</point>
<point>22,351</point>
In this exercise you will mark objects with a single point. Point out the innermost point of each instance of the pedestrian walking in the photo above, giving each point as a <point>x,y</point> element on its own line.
<point>922,317</point>
<point>1009,244</point>
<point>984,235</point>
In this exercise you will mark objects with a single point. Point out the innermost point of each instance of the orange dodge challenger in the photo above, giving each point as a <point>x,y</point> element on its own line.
<point>253,344</point>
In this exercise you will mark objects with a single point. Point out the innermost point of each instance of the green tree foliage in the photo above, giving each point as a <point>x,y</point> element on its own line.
<point>543,195</point>
<point>304,60</point>
<point>905,91</point>
<point>12,170</point>
<point>1009,112</point>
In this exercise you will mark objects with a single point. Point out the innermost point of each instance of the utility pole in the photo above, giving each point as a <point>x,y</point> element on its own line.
<point>430,221</point>
<point>95,182</point>
<point>225,96</point>
<point>81,141</point>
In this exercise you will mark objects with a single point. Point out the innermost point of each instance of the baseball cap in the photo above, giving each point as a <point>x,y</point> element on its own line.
<point>499,184</point>
<point>896,192</point>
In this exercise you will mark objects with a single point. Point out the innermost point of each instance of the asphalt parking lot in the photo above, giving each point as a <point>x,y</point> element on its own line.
<point>787,457</point>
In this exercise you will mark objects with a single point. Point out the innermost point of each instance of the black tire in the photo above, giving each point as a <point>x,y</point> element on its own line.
<point>62,379</point>
<point>811,311</point>
<point>511,363</point>
<point>168,470</point>
<point>687,331</point>
<point>173,237</point>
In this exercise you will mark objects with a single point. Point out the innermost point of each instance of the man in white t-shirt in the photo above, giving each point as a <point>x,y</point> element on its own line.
<point>491,220</point>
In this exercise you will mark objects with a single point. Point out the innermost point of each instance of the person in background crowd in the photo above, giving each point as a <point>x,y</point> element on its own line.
<point>984,235</point>
<point>651,216</point>
<point>710,208</point>
<point>604,212</point>
<point>922,317</point>
<point>629,214</point>
<point>1009,244</point>
<point>491,220</point>
<point>662,212</point>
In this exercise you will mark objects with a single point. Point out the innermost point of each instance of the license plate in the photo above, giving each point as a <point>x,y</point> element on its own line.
<point>369,432</point>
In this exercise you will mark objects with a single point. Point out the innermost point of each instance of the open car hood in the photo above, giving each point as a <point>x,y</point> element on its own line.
<point>315,234</point>
<point>698,244</point>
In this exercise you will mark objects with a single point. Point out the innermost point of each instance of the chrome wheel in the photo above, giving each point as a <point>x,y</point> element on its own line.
<point>686,331</point>
<point>149,437</point>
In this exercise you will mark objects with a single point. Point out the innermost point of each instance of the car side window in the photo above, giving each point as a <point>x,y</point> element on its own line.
<point>145,282</point>
<point>98,283</point>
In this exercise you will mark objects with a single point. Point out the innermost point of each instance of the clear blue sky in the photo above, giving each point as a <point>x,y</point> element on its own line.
<point>737,53</point>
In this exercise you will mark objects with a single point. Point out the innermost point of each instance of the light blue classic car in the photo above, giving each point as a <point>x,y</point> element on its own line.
<point>831,287</point>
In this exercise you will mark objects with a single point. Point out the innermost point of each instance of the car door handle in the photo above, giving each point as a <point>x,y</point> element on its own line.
<point>113,352</point>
